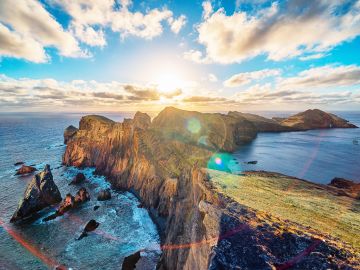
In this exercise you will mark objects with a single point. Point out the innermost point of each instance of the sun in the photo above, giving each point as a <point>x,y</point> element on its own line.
<point>168,82</point>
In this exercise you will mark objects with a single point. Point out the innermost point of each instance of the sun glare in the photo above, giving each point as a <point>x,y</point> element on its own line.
<point>168,82</point>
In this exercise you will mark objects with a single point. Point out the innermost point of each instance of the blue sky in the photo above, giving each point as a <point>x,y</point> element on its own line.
<point>106,55</point>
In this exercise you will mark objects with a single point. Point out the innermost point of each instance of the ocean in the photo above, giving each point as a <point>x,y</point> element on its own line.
<point>124,228</point>
<point>37,138</point>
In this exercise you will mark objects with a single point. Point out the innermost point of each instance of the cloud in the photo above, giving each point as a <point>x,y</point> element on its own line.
<point>196,56</point>
<point>247,77</point>
<point>212,78</point>
<point>203,99</point>
<point>265,95</point>
<point>207,9</point>
<point>142,93</point>
<point>177,24</point>
<point>323,77</point>
<point>284,30</point>
<point>119,17</point>
<point>29,29</point>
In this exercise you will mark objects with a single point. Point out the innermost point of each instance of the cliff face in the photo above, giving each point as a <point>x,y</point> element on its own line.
<point>161,162</point>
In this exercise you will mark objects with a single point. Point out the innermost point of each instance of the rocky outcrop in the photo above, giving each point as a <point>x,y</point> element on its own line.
<point>89,227</point>
<point>104,195</point>
<point>315,119</point>
<point>69,132</point>
<point>41,192</point>
<point>141,120</point>
<point>346,187</point>
<point>130,261</point>
<point>78,179</point>
<point>25,170</point>
<point>162,165</point>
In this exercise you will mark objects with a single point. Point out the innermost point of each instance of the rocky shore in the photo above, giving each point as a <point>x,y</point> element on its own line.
<point>164,163</point>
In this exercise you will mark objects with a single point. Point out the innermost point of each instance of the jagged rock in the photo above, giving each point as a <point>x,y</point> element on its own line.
<point>96,207</point>
<point>25,170</point>
<point>104,195</point>
<point>70,202</point>
<point>142,120</point>
<point>90,226</point>
<point>347,187</point>
<point>251,162</point>
<point>82,196</point>
<point>78,179</point>
<point>69,132</point>
<point>41,192</point>
<point>130,261</point>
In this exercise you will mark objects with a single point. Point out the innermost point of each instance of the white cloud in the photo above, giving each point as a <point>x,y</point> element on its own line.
<point>177,24</point>
<point>283,30</point>
<point>323,77</point>
<point>247,77</point>
<point>87,34</point>
<point>33,27</point>
<point>207,9</point>
<point>196,56</point>
<point>212,77</point>
<point>18,46</point>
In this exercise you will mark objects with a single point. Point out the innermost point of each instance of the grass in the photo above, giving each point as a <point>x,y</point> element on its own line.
<point>305,203</point>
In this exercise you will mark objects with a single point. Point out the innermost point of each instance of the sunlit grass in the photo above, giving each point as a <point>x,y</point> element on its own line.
<point>299,201</point>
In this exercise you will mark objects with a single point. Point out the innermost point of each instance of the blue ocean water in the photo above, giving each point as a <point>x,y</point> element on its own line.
<point>124,228</point>
<point>315,155</point>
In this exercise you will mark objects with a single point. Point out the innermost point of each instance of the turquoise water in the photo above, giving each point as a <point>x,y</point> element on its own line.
<point>316,155</point>
<point>124,228</point>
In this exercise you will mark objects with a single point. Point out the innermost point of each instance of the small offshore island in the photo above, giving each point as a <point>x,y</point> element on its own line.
<point>208,216</point>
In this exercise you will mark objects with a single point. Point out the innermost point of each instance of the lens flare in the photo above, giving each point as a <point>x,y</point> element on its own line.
<point>224,162</point>
<point>218,161</point>
<point>193,125</point>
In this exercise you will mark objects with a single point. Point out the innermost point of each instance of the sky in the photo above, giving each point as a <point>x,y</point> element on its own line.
<point>123,55</point>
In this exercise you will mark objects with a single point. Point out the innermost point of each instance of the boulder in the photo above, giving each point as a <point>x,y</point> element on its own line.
<point>25,170</point>
<point>130,261</point>
<point>41,192</point>
<point>69,132</point>
<point>82,196</point>
<point>90,226</point>
<point>78,179</point>
<point>104,195</point>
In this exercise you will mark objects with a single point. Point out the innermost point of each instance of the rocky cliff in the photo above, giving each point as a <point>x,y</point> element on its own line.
<point>162,163</point>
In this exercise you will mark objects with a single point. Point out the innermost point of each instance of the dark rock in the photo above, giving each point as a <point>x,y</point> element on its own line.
<point>69,132</point>
<point>41,192</point>
<point>347,187</point>
<point>82,196</point>
<point>90,226</point>
<point>104,195</point>
<point>25,170</point>
<point>66,204</point>
<point>78,179</point>
<point>140,205</point>
<point>96,207</point>
<point>251,162</point>
<point>19,163</point>
<point>130,261</point>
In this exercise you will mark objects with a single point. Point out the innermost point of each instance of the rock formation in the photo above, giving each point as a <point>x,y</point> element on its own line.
<point>347,187</point>
<point>90,226</point>
<point>130,261</point>
<point>78,179</point>
<point>162,163</point>
<point>69,132</point>
<point>41,192</point>
<point>25,170</point>
<point>104,195</point>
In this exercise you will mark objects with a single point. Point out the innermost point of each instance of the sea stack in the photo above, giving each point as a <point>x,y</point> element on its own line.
<point>41,192</point>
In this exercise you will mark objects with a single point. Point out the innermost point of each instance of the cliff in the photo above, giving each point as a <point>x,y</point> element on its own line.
<point>163,163</point>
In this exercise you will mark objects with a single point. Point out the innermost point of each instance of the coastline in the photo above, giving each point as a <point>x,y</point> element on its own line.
<point>190,214</point>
